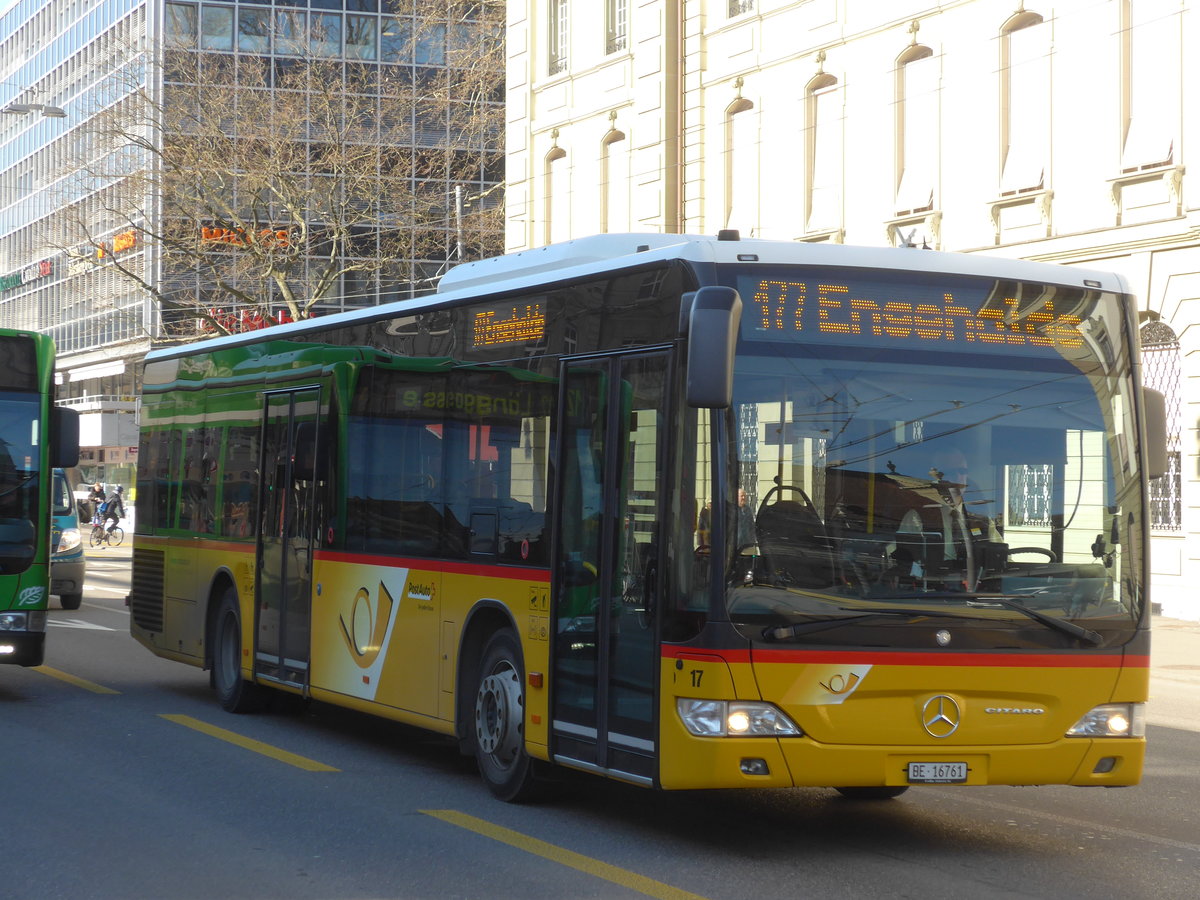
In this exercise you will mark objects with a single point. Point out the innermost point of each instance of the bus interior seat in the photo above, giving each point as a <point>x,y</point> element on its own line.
<point>794,545</point>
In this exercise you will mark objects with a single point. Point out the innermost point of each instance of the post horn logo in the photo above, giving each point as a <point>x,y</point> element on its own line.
<point>941,716</point>
<point>364,625</point>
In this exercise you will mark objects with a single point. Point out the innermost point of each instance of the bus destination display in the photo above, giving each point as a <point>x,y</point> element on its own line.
<point>508,326</point>
<point>980,314</point>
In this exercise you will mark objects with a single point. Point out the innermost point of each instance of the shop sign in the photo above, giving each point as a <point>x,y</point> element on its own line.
<point>267,237</point>
<point>42,269</point>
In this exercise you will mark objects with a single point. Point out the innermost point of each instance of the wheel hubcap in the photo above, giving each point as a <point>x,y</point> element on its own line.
<point>498,719</point>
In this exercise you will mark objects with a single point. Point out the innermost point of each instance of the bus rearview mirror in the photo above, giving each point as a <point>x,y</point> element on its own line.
<point>712,336</point>
<point>64,437</point>
<point>1155,405</point>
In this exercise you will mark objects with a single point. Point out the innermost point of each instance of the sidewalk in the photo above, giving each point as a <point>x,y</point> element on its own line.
<point>1174,674</point>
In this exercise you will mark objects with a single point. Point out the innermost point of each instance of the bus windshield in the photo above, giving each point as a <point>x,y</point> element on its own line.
<point>908,448</point>
<point>19,458</point>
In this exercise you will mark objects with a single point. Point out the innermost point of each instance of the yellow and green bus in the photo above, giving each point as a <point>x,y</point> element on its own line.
<point>35,437</point>
<point>679,511</point>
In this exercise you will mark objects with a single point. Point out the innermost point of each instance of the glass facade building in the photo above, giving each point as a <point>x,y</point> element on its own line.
<point>61,61</point>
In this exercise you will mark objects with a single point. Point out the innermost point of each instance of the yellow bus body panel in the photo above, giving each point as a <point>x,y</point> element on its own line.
<point>386,638</point>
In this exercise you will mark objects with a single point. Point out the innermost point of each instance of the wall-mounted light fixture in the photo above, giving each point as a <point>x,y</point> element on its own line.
<point>50,112</point>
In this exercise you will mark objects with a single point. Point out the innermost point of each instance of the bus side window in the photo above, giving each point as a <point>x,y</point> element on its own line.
<point>240,476</point>
<point>393,498</point>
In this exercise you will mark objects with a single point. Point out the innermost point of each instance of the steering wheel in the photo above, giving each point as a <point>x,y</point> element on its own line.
<point>1050,554</point>
<point>787,487</point>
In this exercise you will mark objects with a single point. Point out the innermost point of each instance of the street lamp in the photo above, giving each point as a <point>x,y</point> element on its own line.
<point>48,111</point>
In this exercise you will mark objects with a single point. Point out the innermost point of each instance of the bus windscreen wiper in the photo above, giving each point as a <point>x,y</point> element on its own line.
<point>1078,631</point>
<point>786,632</point>
<point>984,600</point>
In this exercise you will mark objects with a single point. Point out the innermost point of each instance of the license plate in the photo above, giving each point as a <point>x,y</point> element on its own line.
<point>937,772</point>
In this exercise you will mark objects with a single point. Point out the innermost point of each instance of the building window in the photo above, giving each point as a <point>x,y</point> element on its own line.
<point>614,165</point>
<point>430,47</point>
<point>823,153</point>
<point>558,197</point>
<point>360,37</point>
<point>395,38</point>
<point>616,25</point>
<point>181,25</point>
<point>741,167</point>
<point>916,129</point>
<point>1160,372</point>
<point>254,30</point>
<point>557,38</point>
<point>326,34</point>
<point>1024,103</point>
<point>290,32</point>
<point>1150,68</point>
<point>216,28</point>
<point>1030,495</point>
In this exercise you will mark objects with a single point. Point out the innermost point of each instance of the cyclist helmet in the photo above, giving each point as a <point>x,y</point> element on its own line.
<point>120,488</point>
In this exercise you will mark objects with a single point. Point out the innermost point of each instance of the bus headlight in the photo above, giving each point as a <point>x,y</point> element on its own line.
<point>23,621</point>
<point>735,718</point>
<point>1112,720</point>
<point>69,541</point>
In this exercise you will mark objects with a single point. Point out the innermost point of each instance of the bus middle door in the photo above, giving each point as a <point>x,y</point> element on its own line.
<point>611,446</point>
<point>290,481</point>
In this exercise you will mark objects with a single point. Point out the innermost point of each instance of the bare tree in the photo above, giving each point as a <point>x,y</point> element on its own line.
<point>241,189</point>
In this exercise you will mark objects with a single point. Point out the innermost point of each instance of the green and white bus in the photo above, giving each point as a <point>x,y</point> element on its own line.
<point>35,437</point>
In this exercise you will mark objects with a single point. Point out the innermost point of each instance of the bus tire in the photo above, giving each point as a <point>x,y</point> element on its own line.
<point>499,720</point>
<point>71,601</point>
<point>235,694</point>
<point>871,793</point>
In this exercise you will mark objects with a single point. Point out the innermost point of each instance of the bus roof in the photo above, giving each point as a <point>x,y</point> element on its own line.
<point>603,252</point>
<point>543,267</point>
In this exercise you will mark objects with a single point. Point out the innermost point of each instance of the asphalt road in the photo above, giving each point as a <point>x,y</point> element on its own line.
<point>122,778</point>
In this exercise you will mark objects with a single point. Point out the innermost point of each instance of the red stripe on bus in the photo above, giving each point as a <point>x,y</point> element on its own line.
<point>447,567</point>
<point>1066,659</point>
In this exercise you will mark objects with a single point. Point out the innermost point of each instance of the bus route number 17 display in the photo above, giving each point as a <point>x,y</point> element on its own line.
<point>859,312</point>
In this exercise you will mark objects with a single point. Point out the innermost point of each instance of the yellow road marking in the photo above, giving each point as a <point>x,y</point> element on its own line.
<point>616,875</point>
<point>75,680</point>
<point>292,759</point>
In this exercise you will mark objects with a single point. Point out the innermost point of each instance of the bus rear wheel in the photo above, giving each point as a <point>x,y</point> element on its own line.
<point>499,725</point>
<point>70,601</point>
<point>871,793</point>
<point>236,695</point>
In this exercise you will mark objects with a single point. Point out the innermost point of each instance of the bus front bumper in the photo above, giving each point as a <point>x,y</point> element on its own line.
<point>67,574</point>
<point>799,762</point>
<point>22,648</point>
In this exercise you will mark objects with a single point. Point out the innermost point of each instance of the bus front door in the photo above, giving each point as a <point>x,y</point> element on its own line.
<point>289,485</point>
<point>611,447</point>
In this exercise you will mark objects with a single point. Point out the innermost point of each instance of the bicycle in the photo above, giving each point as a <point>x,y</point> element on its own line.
<point>111,538</point>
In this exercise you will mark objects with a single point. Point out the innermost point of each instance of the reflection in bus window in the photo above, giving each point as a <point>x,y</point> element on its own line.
<point>431,453</point>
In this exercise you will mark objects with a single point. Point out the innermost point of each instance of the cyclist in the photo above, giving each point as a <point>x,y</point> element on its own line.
<point>114,509</point>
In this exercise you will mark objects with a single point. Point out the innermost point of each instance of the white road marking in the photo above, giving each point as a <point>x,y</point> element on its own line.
<point>79,623</point>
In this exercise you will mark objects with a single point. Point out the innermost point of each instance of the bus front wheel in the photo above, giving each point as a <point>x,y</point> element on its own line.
<point>499,724</point>
<point>235,694</point>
